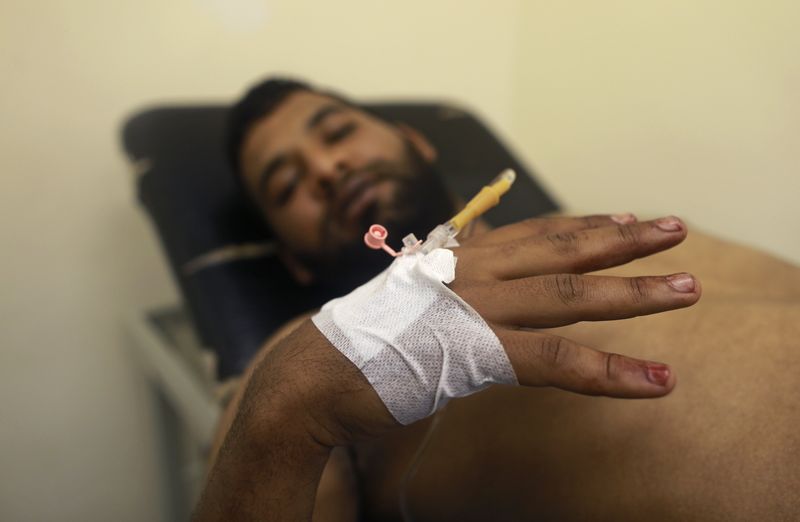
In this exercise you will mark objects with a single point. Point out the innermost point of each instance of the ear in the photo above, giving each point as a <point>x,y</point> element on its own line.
<point>300,273</point>
<point>419,142</point>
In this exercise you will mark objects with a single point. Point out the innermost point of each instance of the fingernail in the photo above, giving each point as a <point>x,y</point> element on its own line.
<point>669,224</point>
<point>624,219</point>
<point>681,282</point>
<point>658,374</point>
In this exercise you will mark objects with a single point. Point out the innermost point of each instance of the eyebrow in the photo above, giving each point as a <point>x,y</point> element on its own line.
<point>315,120</point>
<point>322,113</point>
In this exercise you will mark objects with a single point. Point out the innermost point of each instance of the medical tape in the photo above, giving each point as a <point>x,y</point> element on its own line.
<point>415,340</point>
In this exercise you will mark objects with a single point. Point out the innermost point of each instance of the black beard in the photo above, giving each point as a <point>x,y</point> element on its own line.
<point>421,202</point>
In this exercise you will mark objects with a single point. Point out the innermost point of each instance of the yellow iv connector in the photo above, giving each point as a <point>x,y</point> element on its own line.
<point>488,197</point>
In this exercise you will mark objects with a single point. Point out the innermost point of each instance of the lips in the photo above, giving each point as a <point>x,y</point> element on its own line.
<point>357,194</point>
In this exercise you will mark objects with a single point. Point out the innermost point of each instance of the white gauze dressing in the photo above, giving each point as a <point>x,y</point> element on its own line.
<point>416,341</point>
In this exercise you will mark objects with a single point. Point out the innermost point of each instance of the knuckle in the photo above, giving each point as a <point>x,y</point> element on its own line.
<point>568,288</point>
<point>638,289</point>
<point>629,235</point>
<point>506,250</point>
<point>500,251</point>
<point>551,350</point>
<point>563,243</point>
<point>612,361</point>
<point>594,221</point>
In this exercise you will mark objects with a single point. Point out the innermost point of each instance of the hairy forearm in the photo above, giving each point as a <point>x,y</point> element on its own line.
<point>229,413</point>
<point>270,462</point>
<point>302,400</point>
<point>264,475</point>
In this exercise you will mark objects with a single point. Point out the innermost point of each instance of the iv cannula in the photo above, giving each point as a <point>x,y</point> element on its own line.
<point>488,197</point>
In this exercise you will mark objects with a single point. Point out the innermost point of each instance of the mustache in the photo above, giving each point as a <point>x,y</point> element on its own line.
<point>420,201</point>
<point>374,172</point>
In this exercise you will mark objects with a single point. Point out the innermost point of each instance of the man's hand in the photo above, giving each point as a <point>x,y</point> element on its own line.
<point>306,397</point>
<point>530,275</point>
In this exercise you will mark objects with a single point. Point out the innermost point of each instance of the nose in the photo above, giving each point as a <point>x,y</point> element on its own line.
<point>325,170</point>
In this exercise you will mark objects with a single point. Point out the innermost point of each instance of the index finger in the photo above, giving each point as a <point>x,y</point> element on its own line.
<point>587,250</point>
<point>540,226</point>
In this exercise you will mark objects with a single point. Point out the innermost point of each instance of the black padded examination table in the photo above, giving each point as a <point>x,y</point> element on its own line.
<point>237,293</point>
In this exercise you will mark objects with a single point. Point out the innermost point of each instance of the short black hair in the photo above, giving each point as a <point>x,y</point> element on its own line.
<point>259,101</point>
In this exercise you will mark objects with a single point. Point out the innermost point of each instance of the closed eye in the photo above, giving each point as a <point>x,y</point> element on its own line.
<point>340,133</point>
<point>288,188</point>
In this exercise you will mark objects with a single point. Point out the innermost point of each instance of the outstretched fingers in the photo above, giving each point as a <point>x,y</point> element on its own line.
<point>561,299</point>
<point>541,359</point>
<point>541,226</point>
<point>586,250</point>
<point>531,275</point>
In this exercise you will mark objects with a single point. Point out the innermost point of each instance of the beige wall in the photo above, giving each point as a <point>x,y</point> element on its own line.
<point>687,107</point>
<point>683,108</point>
<point>76,429</point>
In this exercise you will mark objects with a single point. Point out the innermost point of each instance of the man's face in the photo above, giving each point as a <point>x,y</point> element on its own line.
<point>322,171</point>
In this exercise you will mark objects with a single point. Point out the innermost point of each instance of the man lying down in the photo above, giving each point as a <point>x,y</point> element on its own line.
<point>371,374</point>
